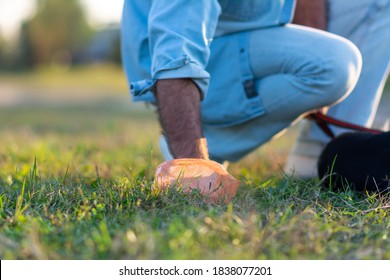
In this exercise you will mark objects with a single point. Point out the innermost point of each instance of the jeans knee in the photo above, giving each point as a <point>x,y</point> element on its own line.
<point>342,66</point>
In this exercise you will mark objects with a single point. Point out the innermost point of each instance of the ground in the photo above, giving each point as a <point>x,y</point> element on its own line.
<point>76,169</point>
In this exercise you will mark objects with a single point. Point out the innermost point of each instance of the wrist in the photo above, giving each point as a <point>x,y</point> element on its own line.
<point>189,148</point>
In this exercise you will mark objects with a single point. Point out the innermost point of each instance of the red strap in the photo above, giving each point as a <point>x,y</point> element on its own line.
<point>323,122</point>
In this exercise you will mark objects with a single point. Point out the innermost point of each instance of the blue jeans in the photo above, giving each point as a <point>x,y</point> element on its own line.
<point>367,24</point>
<point>256,74</point>
<point>294,69</point>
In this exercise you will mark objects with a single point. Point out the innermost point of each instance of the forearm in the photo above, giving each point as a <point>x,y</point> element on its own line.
<point>312,13</point>
<point>179,112</point>
<point>180,47</point>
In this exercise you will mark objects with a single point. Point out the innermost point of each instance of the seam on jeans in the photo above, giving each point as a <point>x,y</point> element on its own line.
<point>249,108</point>
<point>246,71</point>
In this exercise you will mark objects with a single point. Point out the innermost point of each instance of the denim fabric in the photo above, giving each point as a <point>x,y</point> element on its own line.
<point>167,39</point>
<point>238,15</point>
<point>367,24</point>
<point>295,70</point>
<point>232,98</point>
<point>171,39</point>
<point>257,75</point>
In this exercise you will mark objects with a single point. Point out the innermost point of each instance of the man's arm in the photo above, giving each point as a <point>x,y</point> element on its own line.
<point>179,112</point>
<point>312,13</point>
<point>179,40</point>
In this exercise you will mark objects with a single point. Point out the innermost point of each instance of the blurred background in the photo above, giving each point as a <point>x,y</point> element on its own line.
<point>62,86</point>
<point>49,44</point>
<point>63,33</point>
<point>64,97</point>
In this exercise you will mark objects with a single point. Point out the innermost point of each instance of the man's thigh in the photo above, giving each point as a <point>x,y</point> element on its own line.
<point>298,69</point>
<point>294,70</point>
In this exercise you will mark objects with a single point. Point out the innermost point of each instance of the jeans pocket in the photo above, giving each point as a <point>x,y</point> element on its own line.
<point>232,97</point>
<point>244,10</point>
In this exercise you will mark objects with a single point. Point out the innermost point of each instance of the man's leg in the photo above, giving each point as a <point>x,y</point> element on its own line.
<point>366,23</point>
<point>296,70</point>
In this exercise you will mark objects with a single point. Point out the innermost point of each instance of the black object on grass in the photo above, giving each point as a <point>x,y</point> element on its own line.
<point>358,160</point>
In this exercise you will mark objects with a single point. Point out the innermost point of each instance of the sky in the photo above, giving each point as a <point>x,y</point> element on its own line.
<point>12,12</point>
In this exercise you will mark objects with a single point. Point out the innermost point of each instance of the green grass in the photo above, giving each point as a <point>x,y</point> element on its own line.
<point>75,183</point>
<point>90,79</point>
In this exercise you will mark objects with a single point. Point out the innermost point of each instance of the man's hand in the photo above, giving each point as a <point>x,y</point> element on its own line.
<point>179,111</point>
<point>208,177</point>
<point>312,13</point>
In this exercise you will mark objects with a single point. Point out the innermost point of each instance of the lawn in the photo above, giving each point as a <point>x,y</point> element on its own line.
<point>76,178</point>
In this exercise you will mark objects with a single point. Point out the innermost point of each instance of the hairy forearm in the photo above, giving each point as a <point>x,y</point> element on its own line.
<point>312,13</point>
<point>179,112</point>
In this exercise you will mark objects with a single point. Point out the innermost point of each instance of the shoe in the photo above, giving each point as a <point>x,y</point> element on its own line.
<point>166,154</point>
<point>303,167</point>
<point>303,158</point>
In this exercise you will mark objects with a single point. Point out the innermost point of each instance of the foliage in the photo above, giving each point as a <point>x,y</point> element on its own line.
<point>6,54</point>
<point>56,33</point>
<point>2,49</point>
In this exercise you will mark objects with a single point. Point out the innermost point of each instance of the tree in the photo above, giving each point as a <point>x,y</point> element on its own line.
<point>7,54</point>
<point>58,27</point>
<point>25,57</point>
<point>2,50</point>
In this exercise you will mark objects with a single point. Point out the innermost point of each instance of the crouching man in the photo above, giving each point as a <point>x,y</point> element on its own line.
<point>226,77</point>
